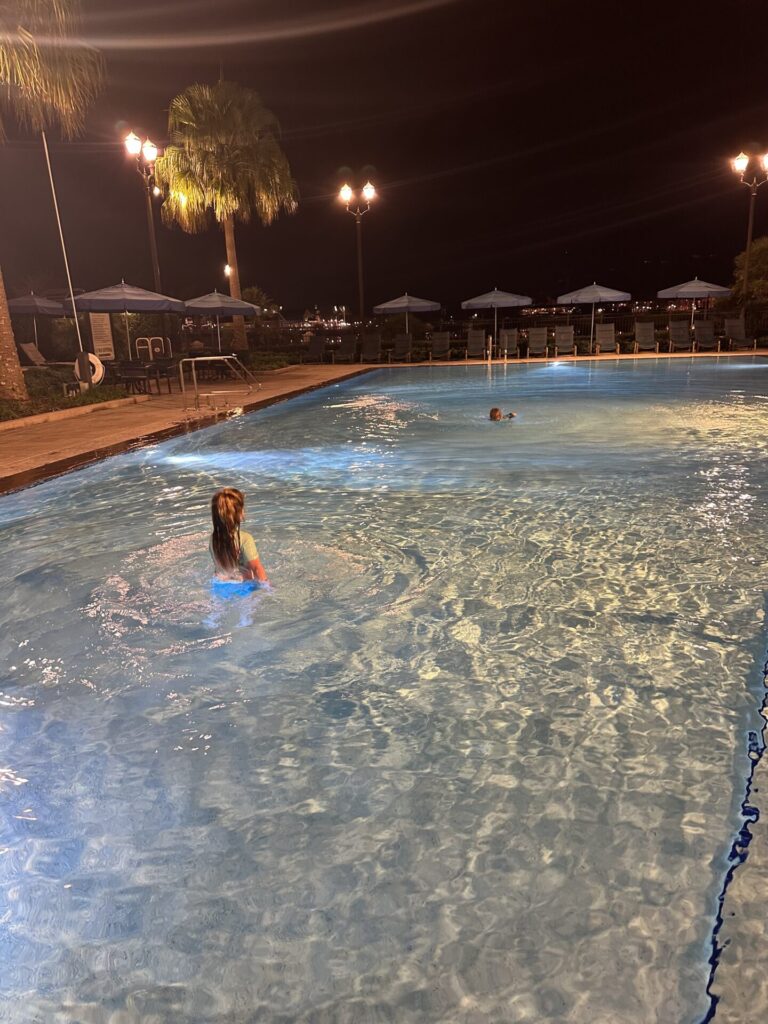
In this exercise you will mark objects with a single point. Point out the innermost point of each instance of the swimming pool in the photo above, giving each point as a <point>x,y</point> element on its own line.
<point>480,755</point>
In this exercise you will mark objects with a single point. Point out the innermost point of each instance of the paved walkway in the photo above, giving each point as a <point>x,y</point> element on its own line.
<point>39,450</point>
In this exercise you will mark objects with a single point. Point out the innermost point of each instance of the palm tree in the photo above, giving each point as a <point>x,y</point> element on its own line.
<point>224,160</point>
<point>47,78</point>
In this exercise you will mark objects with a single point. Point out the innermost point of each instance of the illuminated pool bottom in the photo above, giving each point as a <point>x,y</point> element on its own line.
<point>478,757</point>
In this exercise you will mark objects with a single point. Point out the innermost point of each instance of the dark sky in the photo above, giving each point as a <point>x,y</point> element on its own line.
<point>533,146</point>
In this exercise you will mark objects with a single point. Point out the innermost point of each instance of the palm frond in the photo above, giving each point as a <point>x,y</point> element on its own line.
<point>47,76</point>
<point>225,143</point>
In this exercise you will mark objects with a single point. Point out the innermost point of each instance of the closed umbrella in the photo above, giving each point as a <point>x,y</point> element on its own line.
<point>496,300</point>
<point>593,293</point>
<point>216,304</point>
<point>34,306</point>
<point>693,290</point>
<point>127,298</point>
<point>407,304</point>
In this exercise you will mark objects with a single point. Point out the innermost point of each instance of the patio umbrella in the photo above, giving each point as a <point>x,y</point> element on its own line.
<point>216,304</point>
<point>496,300</point>
<point>127,298</point>
<point>593,293</point>
<point>407,304</point>
<point>35,306</point>
<point>694,289</point>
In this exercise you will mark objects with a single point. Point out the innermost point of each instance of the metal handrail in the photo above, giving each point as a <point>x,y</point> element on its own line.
<point>240,371</point>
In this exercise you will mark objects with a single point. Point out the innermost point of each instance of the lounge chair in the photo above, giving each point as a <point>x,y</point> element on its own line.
<point>32,353</point>
<point>441,345</point>
<point>315,351</point>
<point>706,341</point>
<point>508,343</point>
<point>680,336</point>
<point>537,341</point>
<point>605,339</point>
<point>346,351</point>
<point>736,333</point>
<point>564,342</point>
<point>402,350</point>
<point>476,345</point>
<point>370,350</point>
<point>645,336</point>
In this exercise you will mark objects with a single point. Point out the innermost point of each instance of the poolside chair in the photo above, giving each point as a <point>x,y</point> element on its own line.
<point>564,341</point>
<point>441,345</point>
<point>32,353</point>
<point>706,341</point>
<point>315,351</point>
<point>736,333</point>
<point>402,350</point>
<point>645,336</point>
<point>508,343</point>
<point>537,341</point>
<point>680,336</point>
<point>476,346</point>
<point>605,339</point>
<point>346,351</point>
<point>370,350</point>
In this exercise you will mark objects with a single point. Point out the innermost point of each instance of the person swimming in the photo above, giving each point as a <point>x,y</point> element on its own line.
<point>496,414</point>
<point>233,550</point>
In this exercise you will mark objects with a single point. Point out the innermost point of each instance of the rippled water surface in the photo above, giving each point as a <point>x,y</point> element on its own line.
<point>478,758</point>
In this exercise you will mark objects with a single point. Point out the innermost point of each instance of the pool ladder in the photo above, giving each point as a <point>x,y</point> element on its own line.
<point>232,363</point>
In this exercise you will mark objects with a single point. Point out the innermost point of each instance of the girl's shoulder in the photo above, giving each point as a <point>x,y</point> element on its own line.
<point>248,550</point>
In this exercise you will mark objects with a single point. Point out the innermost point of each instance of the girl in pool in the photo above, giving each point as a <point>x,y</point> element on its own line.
<point>234,551</point>
<point>496,414</point>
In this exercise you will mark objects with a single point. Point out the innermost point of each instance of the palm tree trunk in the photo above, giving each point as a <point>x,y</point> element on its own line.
<point>11,376</point>
<point>238,323</point>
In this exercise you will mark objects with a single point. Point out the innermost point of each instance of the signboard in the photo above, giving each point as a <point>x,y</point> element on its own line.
<point>101,333</point>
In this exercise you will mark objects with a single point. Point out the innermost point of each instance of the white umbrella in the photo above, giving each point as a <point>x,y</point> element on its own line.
<point>496,300</point>
<point>219,305</point>
<point>407,304</point>
<point>593,293</point>
<point>694,289</point>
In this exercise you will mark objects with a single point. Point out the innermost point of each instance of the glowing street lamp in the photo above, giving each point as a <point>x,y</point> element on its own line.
<point>145,153</point>
<point>741,165</point>
<point>358,205</point>
<point>227,270</point>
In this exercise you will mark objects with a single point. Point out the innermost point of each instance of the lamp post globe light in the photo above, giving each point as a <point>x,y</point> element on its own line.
<point>145,153</point>
<point>358,203</point>
<point>753,172</point>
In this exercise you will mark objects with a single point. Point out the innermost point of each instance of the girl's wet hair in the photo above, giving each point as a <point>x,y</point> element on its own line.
<point>495,413</point>
<point>227,512</point>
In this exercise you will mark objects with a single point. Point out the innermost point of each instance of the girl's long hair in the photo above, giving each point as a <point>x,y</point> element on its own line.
<point>227,511</point>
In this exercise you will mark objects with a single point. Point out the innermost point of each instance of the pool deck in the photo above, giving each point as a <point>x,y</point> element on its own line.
<point>35,451</point>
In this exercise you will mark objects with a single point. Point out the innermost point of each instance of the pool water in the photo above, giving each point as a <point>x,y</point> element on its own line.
<point>479,756</point>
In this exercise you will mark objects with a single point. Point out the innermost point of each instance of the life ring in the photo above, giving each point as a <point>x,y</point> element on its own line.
<point>97,369</point>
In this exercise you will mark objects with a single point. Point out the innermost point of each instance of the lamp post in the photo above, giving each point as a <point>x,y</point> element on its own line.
<point>741,165</point>
<point>145,154</point>
<point>366,195</point>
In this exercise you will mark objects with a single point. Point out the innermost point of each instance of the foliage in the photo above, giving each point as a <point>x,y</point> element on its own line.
<point>758,273</point>
<point>224,159</point>
<point>49,76</point>
<point>269,360</point>
<point>253,293</point>
<point>46,393</point>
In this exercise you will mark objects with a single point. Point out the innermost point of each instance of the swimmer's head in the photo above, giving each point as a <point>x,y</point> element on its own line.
<point>495,413</point>
<point>227,508</point>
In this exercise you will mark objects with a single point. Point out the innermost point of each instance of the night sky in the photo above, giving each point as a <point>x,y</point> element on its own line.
<point>533,146</point>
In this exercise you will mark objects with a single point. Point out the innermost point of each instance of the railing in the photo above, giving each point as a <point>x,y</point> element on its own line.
<point>230,362</point>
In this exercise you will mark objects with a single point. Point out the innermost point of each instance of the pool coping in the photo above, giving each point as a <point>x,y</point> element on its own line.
<point>37,474</point>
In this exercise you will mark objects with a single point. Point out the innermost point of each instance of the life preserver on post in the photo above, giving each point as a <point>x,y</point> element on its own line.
<point>97,369</point>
